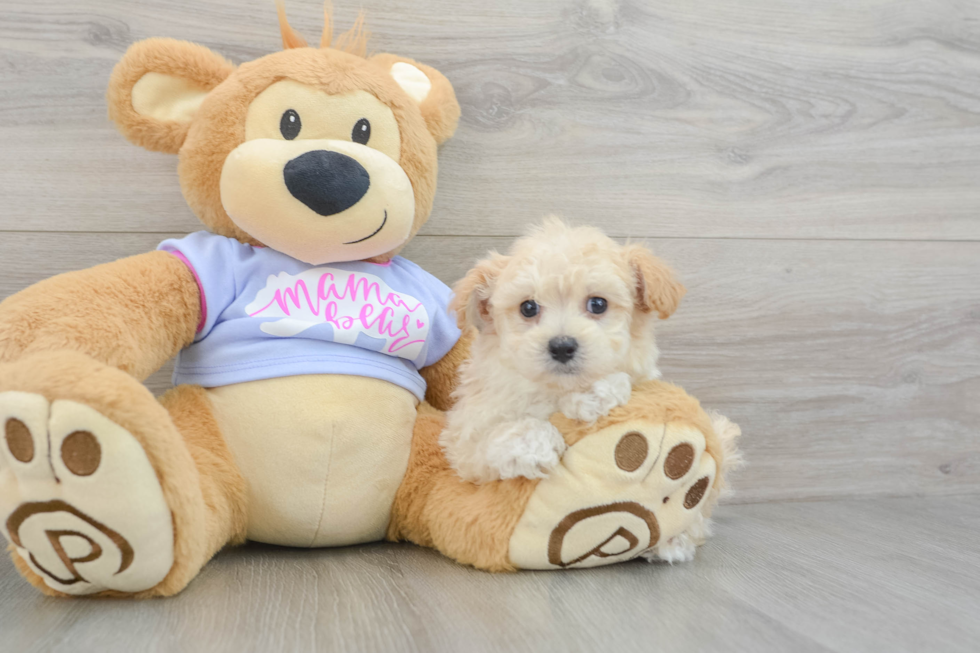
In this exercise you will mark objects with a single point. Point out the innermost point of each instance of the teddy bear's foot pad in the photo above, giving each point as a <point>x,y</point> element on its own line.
<point>79,500</point>
<point>617,493</point>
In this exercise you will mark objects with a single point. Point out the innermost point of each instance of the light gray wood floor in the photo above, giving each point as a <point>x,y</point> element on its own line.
<point>812,171</point>
<point>863,575</point>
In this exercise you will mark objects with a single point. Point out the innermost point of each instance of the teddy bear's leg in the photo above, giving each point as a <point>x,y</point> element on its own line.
<point>648,473</point>
<point>223,488</point>
<point>434,507</point>
<point>104,490</point>
<point>624,489</point>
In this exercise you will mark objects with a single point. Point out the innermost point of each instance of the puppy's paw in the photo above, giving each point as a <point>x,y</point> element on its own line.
<point>614,390</point>
<point>530,448</point>
<point>679,548</point>
<point>605,394</point>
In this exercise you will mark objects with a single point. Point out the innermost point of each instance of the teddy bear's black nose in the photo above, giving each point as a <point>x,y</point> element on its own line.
<point>562,348</point>
<point>327,182</point>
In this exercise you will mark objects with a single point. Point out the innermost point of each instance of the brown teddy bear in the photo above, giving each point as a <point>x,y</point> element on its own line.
<point>313,362</point>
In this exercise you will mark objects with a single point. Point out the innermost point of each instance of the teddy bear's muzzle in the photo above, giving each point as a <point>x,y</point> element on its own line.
<point>318,200</point>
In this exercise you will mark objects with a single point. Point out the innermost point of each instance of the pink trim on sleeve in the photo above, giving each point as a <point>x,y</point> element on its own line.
<point>200,287</point>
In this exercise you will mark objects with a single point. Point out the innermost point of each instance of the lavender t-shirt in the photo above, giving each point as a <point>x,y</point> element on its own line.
<point>267,315</point>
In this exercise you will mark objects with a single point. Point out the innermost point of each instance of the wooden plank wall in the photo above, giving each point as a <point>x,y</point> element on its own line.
<point>812,170</point>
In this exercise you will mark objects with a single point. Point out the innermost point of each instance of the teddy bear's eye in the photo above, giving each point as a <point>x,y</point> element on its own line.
<point>290,124</point>
<point>596,305</point>
<point>529,308</point>
<point>361,132</point>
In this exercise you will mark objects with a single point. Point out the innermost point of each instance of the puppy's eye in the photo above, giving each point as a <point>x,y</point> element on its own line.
<point>290,124</point>
<point>596,305</point>
<point>361,132</point>
<point>530,308</point>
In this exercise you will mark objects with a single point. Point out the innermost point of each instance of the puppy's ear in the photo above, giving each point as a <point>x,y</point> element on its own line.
<point>429,88</point>
<point>157,87</point>
<point>471,294</point>
<point>656,287</point>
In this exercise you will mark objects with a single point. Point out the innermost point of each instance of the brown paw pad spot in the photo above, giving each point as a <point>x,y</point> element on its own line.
<point>631,451</point>
<point>19,440</point>
<point>679,461</point>
<point>696,493</point>
<point>81,453</point>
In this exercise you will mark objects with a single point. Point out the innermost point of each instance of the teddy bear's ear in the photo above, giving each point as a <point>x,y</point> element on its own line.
<point>157,87</point>
<point>656,287</point>
<point>471,294</point>
<point>429,88</point>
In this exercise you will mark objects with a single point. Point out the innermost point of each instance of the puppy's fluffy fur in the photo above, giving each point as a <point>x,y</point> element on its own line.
<point>513,383</point>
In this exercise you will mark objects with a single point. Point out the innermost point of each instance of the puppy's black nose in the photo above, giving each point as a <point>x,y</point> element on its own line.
<point>562,348</point>
<point>327,182</point>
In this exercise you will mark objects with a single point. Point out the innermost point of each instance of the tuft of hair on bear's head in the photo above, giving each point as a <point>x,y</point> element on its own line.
<point>353,41</point>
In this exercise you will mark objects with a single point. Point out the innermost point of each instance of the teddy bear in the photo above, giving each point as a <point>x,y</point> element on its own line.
<point>313,362</point>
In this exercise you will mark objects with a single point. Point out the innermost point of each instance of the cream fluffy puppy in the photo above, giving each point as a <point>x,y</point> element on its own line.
<point>565,323</point>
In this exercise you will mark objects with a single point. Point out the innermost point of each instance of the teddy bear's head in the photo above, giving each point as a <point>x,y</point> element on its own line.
<point>323,154</point>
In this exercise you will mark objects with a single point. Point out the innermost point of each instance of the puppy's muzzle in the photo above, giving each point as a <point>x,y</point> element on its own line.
<point>562,348</point>
<point>327,182</point>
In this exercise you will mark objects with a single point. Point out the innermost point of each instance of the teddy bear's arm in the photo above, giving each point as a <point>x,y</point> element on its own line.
<point>441,377</point>
<point>134,313</point>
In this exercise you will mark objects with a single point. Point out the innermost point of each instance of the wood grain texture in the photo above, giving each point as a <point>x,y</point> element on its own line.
<point>852,367</point>
<point>705,118</point>
<point>873,575</point>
